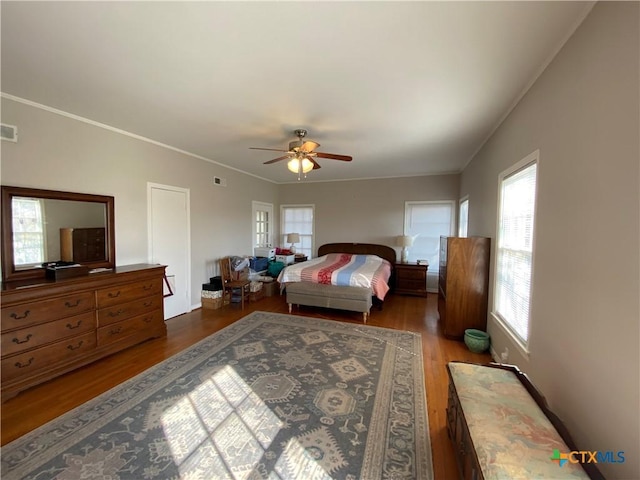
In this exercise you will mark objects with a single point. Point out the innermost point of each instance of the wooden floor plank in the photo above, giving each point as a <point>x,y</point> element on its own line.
<point>43,403</point>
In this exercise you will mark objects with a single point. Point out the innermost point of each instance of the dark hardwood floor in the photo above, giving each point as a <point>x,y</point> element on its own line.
<point>42,403</point>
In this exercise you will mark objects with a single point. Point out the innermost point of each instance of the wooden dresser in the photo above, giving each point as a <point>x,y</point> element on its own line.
<point>82,244</point>
<point>463,284</point>
<point>52,327</point>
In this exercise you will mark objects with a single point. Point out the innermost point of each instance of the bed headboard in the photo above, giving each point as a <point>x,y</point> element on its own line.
<point>382,251</point>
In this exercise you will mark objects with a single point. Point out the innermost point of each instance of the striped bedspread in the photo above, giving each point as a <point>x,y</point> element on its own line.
<point>346,269</point>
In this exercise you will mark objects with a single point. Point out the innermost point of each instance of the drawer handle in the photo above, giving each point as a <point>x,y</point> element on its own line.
<point>113,295</point>
<point>71,347</point>
<point>148,319</point>
<point>15,340</point>
<point>462,449</point>
<point>148,304</point>
<point>69,305</point>
<point>15,316</point>
<point>20,365</point>
<point>147,287</point>
<point>115,331</point>
<point>116,314</point>
<point>71,327</point>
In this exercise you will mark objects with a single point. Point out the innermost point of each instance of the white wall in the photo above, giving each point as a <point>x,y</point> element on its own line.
<point>59,153</point>
<point>366,211</point>
<point>583,115</point>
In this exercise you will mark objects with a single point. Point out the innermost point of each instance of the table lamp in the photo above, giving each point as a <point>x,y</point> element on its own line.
<point>404,241</point>
<point>293,238</point>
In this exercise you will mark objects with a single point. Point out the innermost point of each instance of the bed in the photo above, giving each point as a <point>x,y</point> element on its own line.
<point>347,276</point>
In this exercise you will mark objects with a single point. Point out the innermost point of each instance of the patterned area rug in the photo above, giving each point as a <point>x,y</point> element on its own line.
<point>269,397</point>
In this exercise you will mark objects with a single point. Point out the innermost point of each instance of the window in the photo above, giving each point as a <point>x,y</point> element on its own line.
<point>28,232</point>
<point>262,224</point>
<point>463,218</point>
<point>426,222</point>
<point>514,247</point>
<point>298,219</point>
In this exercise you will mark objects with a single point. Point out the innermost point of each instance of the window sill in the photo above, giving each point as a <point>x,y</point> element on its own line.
<point>524,351</point>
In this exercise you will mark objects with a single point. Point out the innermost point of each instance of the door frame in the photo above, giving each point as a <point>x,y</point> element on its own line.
<point>187,193</point>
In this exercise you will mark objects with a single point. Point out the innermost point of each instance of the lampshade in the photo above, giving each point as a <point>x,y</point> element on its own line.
<point>294,165</point>
<point>293,238</point>
<point>404,240</point>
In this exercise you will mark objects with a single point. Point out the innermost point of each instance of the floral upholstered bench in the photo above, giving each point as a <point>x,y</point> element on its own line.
<point>502,428</point>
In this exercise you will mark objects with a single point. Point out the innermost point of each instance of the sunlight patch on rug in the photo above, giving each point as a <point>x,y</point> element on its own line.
<point>271,397</point>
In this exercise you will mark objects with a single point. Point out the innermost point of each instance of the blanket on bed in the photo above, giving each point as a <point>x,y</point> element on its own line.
<point>346,269</point>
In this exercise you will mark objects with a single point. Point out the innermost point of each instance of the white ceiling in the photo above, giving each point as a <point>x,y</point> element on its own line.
<point>406,88</point>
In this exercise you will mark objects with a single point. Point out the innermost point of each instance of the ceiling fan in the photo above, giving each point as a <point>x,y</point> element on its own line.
<point>302,154</point>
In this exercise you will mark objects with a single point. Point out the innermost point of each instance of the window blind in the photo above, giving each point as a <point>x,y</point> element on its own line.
<point>299,219</point>
<point>514,250</point>
<point>426,222</point>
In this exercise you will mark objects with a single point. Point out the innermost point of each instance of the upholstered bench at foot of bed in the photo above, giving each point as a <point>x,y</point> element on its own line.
<point>355,299</point>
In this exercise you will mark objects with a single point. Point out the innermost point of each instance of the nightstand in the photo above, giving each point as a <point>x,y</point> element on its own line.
<point>300,258</point>
<point>411,279</point>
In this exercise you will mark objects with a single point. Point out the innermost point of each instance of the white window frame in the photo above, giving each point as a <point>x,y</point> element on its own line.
<point>463,228</point>
<point>528,161</point>
<point>283,230</point>
<point>256,207</point>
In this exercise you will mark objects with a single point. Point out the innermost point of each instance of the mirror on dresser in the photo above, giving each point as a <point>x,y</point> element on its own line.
<point>46,226</point>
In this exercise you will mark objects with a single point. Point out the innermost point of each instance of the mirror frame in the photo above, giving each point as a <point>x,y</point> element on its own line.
<point>9,272</point>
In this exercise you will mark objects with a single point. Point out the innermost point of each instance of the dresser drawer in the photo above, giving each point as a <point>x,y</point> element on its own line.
<point>31,362</point>
<point>408,274</point>
<point>412,284</point>
<point>37,335</point>
<point>115,332</point>
<point>19,316</point>
<point>125,293</point>
<point>117,313</point>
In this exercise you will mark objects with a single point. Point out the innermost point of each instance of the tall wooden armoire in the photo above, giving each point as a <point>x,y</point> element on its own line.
<point>463,284</point>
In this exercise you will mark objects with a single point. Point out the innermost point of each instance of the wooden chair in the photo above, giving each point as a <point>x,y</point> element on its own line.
<point>229,285</point>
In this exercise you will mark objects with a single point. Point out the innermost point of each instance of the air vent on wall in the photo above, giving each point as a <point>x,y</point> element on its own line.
<point>220,182</point>
<point>9,132</point>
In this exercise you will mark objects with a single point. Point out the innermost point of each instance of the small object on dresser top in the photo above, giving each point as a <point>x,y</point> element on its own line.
<point>66,271</point>
<point>423,262</point>
<point>99,270</point>
<point>60,264</point>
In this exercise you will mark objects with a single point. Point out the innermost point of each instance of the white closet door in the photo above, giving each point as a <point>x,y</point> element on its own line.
<point>169,243</point>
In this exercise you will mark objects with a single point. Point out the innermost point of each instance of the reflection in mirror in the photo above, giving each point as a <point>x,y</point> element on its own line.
<point>47,230</point>
<point>47,226</point>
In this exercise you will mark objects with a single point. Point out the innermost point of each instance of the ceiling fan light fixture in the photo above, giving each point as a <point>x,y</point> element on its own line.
<point>301,156</point>
<point>294,165</point>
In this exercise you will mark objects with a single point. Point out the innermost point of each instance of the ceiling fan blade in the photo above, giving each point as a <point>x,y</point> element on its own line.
<point>333,156</point>
<point>316,165</point>
<point>309,146</point>
<point>284,157</point>
<point>269,149</point>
